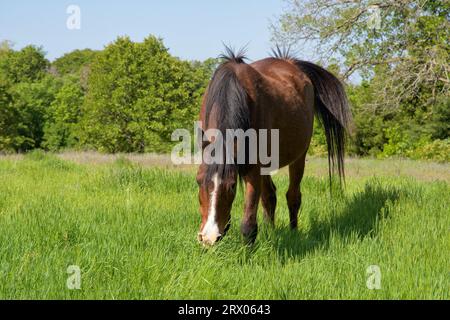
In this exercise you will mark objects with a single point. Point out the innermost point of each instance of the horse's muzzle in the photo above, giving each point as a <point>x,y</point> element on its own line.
<point>208,240</point>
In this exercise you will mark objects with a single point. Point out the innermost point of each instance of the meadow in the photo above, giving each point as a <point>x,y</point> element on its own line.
<point>130,222</point>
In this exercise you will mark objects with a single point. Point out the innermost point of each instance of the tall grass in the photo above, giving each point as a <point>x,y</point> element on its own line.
<point>132,232</point>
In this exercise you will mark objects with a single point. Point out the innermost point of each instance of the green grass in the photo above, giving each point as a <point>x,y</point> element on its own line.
<point>132,231</point>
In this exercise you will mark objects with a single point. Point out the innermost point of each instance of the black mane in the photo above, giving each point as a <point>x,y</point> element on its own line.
<point>230,100</point>
<point>231,55</point>
<point>283,53</point>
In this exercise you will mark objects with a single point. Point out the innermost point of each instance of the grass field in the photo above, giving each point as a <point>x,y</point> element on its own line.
<point>131,225</point>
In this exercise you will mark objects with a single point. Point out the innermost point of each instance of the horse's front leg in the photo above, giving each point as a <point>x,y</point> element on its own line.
<point>249,227</point>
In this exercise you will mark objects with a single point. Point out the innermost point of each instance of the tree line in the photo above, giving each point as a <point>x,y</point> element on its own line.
<point>130,96</point>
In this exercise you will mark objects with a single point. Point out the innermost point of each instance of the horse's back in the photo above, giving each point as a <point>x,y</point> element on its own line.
<point>284,101</point>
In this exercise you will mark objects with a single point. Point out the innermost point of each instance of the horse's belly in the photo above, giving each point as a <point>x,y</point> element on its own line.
<point>294,137</point>
<point>292,113</point>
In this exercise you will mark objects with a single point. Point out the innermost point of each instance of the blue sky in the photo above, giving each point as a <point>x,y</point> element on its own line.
<point>192,29</point>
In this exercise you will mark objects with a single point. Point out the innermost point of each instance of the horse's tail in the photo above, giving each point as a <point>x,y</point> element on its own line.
<point>332,110</point>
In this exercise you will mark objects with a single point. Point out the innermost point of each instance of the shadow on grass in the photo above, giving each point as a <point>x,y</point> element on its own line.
<point>356,219</point>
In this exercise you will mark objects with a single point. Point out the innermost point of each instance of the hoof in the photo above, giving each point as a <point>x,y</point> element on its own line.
<point>249,233</point>
<point>293,225</point>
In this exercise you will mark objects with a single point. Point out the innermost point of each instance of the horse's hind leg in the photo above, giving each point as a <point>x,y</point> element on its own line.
<point>268,199</point>
<point>293,195</point>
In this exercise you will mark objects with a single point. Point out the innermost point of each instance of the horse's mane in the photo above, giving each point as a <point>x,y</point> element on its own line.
<point>231,111</point>
<point>230,55</point>
<point>283,53</point>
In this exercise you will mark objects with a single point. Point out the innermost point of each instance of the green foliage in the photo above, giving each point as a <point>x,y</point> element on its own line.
<point>439,119</point>
<point>74,62</point>
<point>400,144</point>
<point>138,94</point>
<point>31,102</point>
<point>383,131</point>
<point>9,135</point>
<point>62,117</point>
<point>26,65</point>
<point>318,146</point>
<point>26,91</point>
<point>437,150</point>
<point>370,122</point>
<point>404,99</point>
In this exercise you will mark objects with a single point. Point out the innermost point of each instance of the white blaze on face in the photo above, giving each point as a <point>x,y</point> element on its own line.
<point>210,231</point>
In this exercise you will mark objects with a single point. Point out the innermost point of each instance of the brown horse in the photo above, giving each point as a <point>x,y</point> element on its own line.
<point>280,92</point>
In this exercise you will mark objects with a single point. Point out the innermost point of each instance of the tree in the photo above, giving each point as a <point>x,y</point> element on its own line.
<point>8,121</point>
<point>369,137</point>
<point>137,95</point>
<point>411,41</point>
<point>74,62</point>
<point>26,65</point>
<point>411,38</point>
<point>25,92</point>
<point>30,102</point>
<point>62,116</point>
<point>400,49</point>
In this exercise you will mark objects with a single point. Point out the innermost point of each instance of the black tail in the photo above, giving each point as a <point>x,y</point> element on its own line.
<point>333,112</point>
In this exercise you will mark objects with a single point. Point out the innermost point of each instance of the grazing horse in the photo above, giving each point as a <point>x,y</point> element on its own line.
<point>280,92</point>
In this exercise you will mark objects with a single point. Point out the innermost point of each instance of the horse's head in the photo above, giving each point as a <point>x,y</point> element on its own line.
<point>216,195</point>
<point>224,108</point>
